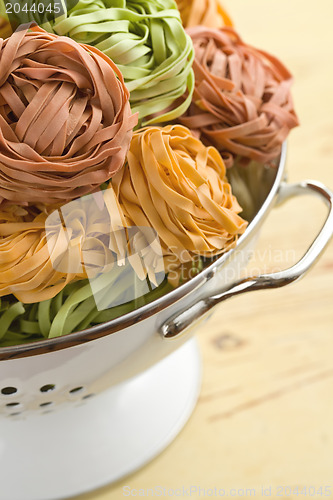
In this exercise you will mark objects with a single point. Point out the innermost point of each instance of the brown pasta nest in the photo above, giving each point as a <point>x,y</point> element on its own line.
<point>65,118</point>
<point>242,102</point>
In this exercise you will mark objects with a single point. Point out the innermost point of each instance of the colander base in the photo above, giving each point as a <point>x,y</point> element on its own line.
<point>77,449</point>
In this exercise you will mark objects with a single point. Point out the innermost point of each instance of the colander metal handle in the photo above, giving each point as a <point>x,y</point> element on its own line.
<point>179,324</point>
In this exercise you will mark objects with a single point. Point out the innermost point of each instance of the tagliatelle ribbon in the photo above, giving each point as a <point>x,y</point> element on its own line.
<point>176,185</point>
<point>209,13</point>
<point>242,102</point>
<point>26,268</point>
<point>44,249</point>
<point>73,309</point>
<point>65,118</point>
<point>147,42</point>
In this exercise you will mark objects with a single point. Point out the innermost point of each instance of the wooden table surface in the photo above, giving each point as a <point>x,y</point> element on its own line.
<point>265,413</point>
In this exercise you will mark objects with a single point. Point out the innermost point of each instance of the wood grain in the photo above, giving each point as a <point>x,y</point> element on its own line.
<point>265,413</point>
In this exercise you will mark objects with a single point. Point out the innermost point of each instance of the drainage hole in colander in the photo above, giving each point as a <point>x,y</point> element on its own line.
<point>88,396</point>
<point>47,388</point>
<point>47,403</point>
<point>15,414</point>
<point>76,390</point>
<point>7,391</point>
<point>10,405</point>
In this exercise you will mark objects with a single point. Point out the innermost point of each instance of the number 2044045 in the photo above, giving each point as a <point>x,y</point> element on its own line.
<point>310,491</point>
<point>35,8</point>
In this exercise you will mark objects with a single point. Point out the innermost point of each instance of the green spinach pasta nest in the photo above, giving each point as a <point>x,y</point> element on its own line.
<point>72,309</point>
<point>146,40</point>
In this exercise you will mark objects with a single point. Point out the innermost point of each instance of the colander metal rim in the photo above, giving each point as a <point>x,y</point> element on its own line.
<point>133,317</point>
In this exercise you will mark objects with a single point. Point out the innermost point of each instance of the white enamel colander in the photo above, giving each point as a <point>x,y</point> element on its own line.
<point>83,410</point>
